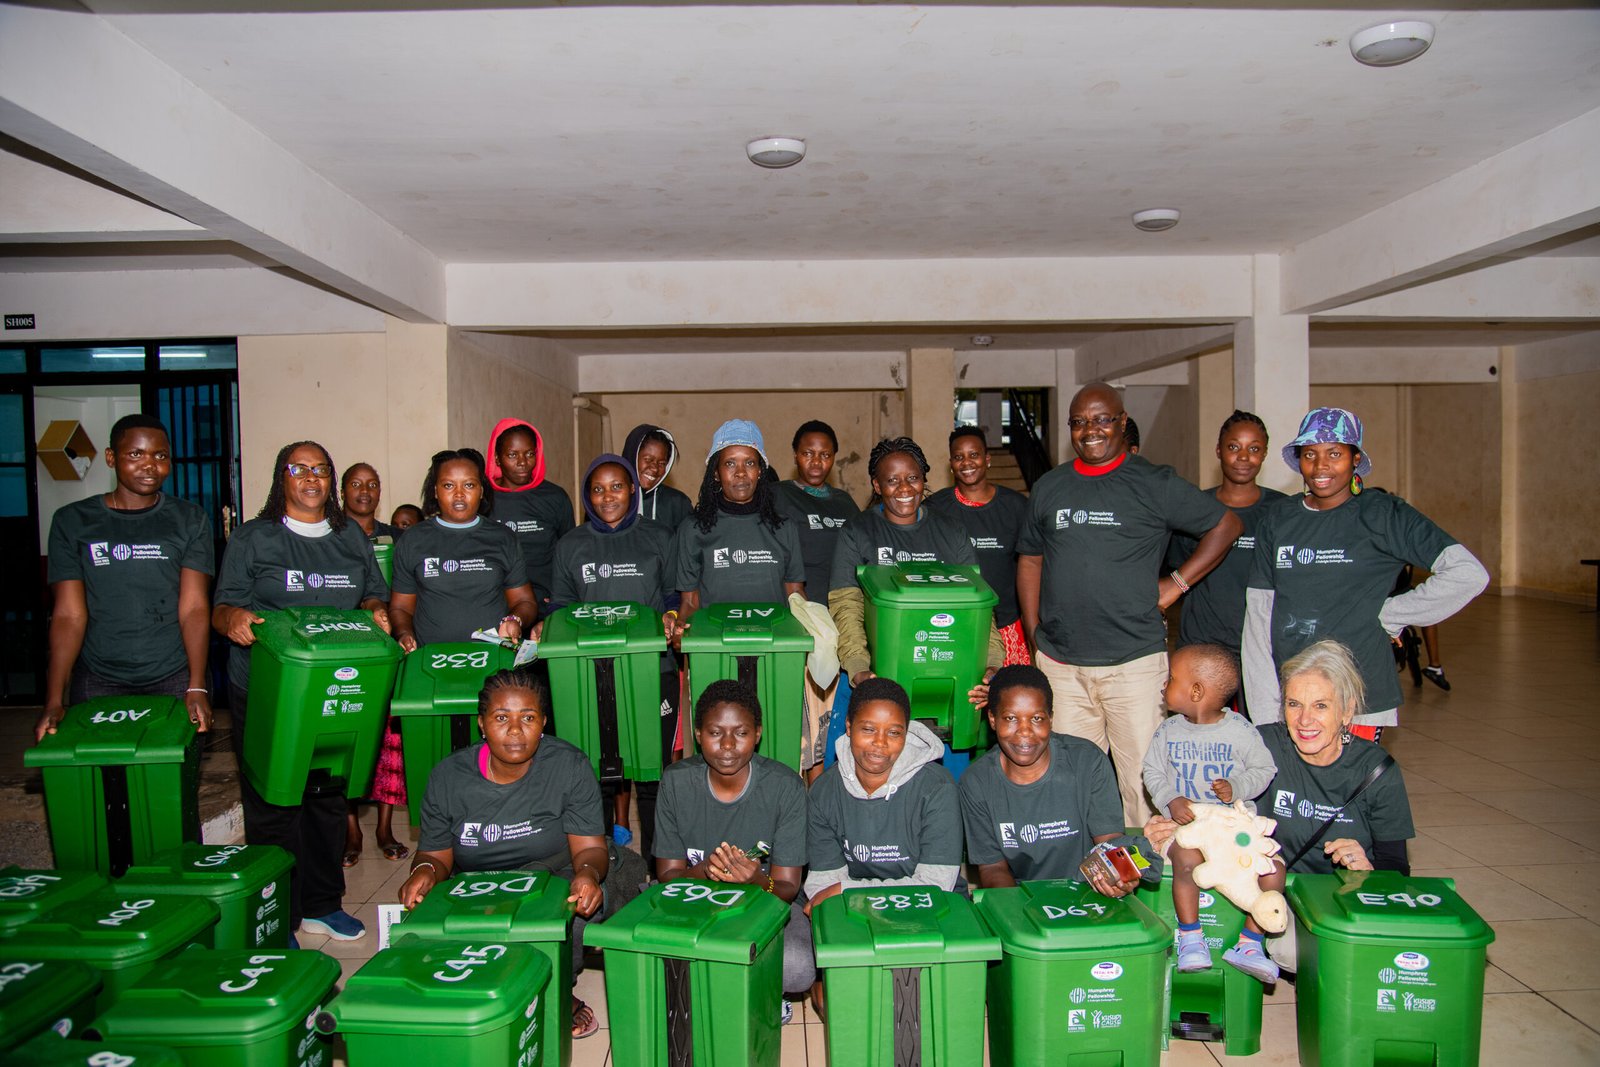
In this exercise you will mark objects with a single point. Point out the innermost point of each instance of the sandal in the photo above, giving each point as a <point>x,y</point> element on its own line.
<point>395,852</point>
<point>352,856</point>
<point>584,1024</point>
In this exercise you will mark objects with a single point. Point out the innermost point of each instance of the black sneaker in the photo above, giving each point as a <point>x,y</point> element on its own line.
<point>1436,676</point>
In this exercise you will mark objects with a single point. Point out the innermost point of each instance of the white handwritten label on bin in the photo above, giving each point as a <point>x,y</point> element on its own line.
<point>1380,900</point>
<point>688,891</point>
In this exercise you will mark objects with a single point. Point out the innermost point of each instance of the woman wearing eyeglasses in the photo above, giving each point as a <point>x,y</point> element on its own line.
<point>299,551</point>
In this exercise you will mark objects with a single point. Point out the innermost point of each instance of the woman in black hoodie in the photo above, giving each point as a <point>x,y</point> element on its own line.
<point>652,451</point>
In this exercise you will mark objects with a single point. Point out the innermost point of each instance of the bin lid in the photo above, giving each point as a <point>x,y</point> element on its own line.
<point>694,920</point>
<point>934,586</point>
<point>117,731</point>
<point>223,996</point>
<point>1063,918</point>
<point>26,894</point>
<point>451,987</point>
<point>320,636</point>
<point>601,628</point>
<point>900,926</point>
<point>220,871</point>
<point>1368,906</point>
<point>494,905</point>
<point>746,629</point>
<point>51,1051</point>
<point>34,993</point>
<point>445,678</point>
<point>113,928</point>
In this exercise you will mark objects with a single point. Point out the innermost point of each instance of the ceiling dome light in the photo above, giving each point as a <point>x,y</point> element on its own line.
<point>1391,43</point>
<point>776,152</point>
<point>1156,219</point>
<point>983,340</point>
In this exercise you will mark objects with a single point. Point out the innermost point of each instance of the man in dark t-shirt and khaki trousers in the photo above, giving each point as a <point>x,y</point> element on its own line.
<point>1089,555</point>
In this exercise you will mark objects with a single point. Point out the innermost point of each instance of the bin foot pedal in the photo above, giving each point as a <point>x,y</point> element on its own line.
<point>1196,1026</point>
<point>605,685</point>
<point>907,983</point>
<point>680,1023</point>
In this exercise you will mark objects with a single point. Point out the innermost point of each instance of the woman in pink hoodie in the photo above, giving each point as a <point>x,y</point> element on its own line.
<point>537,511</point>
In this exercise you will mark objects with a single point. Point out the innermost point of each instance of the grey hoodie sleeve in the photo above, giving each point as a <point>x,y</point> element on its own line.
<point>1256,767</point>
<point>1260,673</point>
<point>1157,772</point>
<point>1457,578</point>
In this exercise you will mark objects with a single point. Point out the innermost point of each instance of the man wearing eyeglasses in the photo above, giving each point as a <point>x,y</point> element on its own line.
<point>1087,560</point>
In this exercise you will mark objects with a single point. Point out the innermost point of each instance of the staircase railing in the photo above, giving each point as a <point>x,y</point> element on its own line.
<point>1030,414</point>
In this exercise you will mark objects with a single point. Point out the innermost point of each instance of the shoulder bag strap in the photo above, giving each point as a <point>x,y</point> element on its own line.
<point>1372,776</point>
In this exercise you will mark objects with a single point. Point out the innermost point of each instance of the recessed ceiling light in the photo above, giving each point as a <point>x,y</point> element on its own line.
<point>1391,43</point>
<point>1156,219</point>
<point>982,340</point>
<point>776,152</point>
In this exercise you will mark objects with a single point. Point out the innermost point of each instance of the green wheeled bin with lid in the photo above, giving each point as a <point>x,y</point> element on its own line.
<point>320,680</point>
<point>121,935</point>
<point>40,997</point>
<point>694,975</point>
<point>605,685</point>
<point>383,552</point>
<point>904,969</point>
<point>1390,970</point>
<point>248,884</point>
<point>764,647</point>
<point>437,695</point>
<point>27,894</point>
<point>229,1008</point>
<point>507,907</point>
<point>928,628</point>
<point>461,1003</point>
<point>51,1051</point>
<point>1081,980</point>
<point>121,781</point>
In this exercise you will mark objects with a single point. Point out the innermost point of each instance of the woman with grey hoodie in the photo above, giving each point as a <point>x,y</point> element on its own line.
<point>652,451</point>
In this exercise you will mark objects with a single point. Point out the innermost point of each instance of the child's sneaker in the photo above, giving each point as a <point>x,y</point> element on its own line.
<point>1249,957</point>
<point>1193,953</point>
<point>1436,676</point>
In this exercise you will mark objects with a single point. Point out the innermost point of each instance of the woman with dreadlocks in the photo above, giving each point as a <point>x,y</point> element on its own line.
<point>300,551</point>
<point>895,528</point>
<point>735,546</point>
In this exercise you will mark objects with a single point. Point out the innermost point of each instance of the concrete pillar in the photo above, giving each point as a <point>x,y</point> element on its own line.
<point>930,406</point>
<point>1508,576</point>
<point>990,414</point>
<point>417,384</point>
<point>1213,405</point>
<point>1272,368</point>
<point>1060,402</point>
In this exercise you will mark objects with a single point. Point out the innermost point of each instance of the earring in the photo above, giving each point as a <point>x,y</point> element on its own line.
<point>1344,734</point>
<point>1355,485</point>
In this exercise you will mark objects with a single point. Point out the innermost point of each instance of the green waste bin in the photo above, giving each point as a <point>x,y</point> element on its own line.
<point>763,646</point>
<point>1221,1003</point>
<point>27,894</point>
<point>437,695</point>
<point>1390,970</point>
<point>51,1051</point>
<point>54,998</point>
<point>121,781</point>
<point>383,550</point>
<point>1106,958</point>
<point>227,1008</point>
<point>605,685</point>
<point>904,969</point>
<point>464,1003</point>
<point>928,628</point>
<point>694,975</point>
<point>521,907</point>
<point>248,884</point>
<point>320,680</point>
<point>119,934</point>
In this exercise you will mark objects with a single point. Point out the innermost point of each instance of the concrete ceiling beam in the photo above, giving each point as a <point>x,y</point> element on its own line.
<point>1538,288</point>
<point>1129,352</point>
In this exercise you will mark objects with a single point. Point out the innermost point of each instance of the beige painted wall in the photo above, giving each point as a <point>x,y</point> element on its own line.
<point>858,417</point>
<point>1558,509</point>
<point>1382,411</point>
<point>1453,471</point>
<point>1167,425</point>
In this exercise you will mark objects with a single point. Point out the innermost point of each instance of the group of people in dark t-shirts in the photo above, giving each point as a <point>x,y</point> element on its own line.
<point>1077,667</point>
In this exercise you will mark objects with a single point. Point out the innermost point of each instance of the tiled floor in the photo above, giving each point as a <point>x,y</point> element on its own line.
<point>1502,772</point>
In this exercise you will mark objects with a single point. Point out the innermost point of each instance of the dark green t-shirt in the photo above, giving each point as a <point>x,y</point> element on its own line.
<point>1046,828</point>
<point>459,577</point>
<point>629,564</point>
<point>1103,538</point>
<point>1213,609</point>
<point>872,540</point>
<point>691,822</point>
<point>886,836</point>
<point>131,566</point>
<point>517,827</point>
<point>738,559</point>
<point>1332,571</point>
<point>269,567</point>
<point>819,520</point>
<point>539,517</point>
<point>1301,797</point>
<point>993,529</point>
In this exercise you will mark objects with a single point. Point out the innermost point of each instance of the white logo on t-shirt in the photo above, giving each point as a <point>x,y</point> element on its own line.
<point>885,556</point>
<point>1283,803</point>
<point>1008,835</point>
<point>294,581</point>
<point>430,567</point>
<point>1063,518</point>
<point>589,574</point>
<point>1285,558</point>
<point>719,558</point>
<point>100,553</point>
